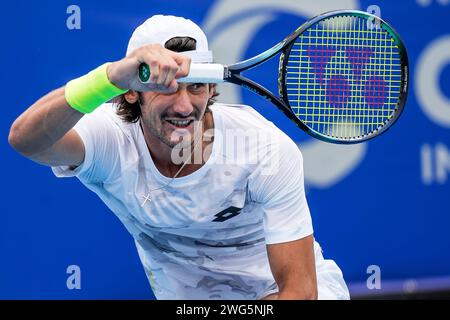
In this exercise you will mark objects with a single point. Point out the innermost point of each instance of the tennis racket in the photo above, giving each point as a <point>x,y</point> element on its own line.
<point>342,78</point>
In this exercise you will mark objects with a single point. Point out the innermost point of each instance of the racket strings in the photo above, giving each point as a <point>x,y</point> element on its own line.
<point>343,77</point>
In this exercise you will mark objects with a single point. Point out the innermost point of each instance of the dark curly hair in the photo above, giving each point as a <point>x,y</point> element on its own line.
<point>131,112</point>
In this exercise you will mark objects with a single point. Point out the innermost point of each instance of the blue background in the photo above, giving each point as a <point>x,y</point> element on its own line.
<point>381,213</point>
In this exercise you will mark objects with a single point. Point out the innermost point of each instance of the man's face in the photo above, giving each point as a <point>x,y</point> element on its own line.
<point>171,118</point>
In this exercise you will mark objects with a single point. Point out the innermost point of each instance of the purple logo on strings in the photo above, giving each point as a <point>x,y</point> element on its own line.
<point>338,89</point>
<point>375,92</point>
<point>319,56</point>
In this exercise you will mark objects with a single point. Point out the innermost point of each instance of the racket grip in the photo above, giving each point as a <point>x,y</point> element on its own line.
<point>199,73</point>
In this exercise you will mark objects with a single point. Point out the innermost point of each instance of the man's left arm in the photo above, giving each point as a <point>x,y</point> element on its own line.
<point>293,267</point>
<point>287,220</point>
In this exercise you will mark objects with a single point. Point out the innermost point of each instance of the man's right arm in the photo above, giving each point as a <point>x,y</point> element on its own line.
<point>44,133</point>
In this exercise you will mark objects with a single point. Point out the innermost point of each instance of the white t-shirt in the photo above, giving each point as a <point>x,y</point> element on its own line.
<point>204,235</point>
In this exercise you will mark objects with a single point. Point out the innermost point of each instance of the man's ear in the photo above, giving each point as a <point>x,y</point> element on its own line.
<point>131,96</point>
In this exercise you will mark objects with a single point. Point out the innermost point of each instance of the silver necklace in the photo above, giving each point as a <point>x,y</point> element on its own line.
<point>147,197</point>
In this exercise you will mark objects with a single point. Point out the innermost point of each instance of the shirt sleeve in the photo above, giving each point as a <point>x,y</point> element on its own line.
<point>278,185</point>
<point>100,138</point>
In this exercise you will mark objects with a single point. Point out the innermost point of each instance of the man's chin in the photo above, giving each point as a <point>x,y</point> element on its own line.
<point>185,143</point>
<point>180,138</point>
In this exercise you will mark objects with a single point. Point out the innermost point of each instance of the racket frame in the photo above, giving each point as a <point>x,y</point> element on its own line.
<point>404,80</point>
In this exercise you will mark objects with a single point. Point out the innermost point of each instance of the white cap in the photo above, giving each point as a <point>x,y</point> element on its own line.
<point>158,29</point>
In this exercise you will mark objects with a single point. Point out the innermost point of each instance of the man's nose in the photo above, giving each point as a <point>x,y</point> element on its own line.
<point>182,103</point>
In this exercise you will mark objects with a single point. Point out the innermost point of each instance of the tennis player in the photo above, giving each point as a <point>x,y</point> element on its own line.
<point>209,222</point>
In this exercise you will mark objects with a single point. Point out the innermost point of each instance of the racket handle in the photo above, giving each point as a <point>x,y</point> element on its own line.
<point>199,73</point>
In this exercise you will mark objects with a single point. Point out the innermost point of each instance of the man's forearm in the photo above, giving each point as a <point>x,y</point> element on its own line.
<point>297,295</point>
<point>310,294</point>
<point>42,124</point>
<point>293,267</point>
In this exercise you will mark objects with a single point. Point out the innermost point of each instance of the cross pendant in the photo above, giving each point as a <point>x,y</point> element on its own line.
<point>146,198</point>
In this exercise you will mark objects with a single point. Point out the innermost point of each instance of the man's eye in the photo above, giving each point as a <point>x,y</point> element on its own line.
<point>197,86</point>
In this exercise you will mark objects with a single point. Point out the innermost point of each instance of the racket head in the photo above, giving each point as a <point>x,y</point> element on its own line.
<point>344,76</point>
